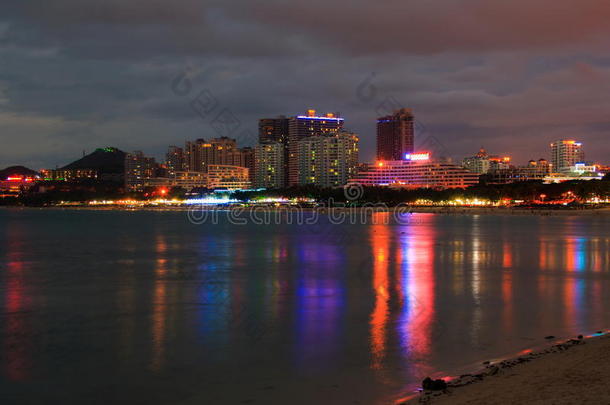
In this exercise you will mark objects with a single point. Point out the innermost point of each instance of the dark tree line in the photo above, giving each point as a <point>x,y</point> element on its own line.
<point>49,193</point>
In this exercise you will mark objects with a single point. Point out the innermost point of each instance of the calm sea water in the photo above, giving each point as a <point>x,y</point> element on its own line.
<point>146,307</point>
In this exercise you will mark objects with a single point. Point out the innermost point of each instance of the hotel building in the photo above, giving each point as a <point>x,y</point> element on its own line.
<point>174,160</point>
<point>138,169</point>
<point>565,154</point>
<point>483,163</point>
<point>273,129</point>
<point>269,165</point>
<point>395,135</point>
<point>416,171</point>
<point>328,161</point>
<point>217,151</point>
<point>534,170</point>
<point>228,177</point>
<point>184,180</point>
<point>305,126</point>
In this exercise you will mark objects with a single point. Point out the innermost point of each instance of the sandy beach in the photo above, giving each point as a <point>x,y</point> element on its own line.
<point>571,372</point>
<point>512,211</point>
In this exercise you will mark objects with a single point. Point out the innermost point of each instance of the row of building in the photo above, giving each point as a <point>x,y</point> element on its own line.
<point>299,150</point>
<point>317,149</point>
<point>400,165</point>
<point>305,149</point>
<point>312,149</point>
<point>567,163</point>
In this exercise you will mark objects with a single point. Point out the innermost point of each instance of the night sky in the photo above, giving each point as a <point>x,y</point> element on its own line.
<point>508,75</point>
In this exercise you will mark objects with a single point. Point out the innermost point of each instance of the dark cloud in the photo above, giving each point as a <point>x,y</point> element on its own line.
<point>511,76</point>
<point>428,27</point>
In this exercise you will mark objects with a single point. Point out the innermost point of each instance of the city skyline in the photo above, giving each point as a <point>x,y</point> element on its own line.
<point>421,143</point>
<point>65,88</point>
<point>282,202</point>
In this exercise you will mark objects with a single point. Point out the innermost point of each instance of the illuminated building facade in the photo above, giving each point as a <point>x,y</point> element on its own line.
<point>305,126</point>
<point>395,135</point>
<point>538,168</point>
<point>273,130</point>
<point>565,154</point>
<point>138,169</point>
<point>189,180</point>
<point>270,165</point>
<point>580,171</point>
<point>228,177</point>
<point>217,151</point>
<point>174,160</point>
<point>417,170</point>
<point>184,180</point>
<point>483,163</point>
<point>328,161</point>
<point>69,174</point>
<point>247,161</point>
<point>534,170</point>
<point>14,185</point>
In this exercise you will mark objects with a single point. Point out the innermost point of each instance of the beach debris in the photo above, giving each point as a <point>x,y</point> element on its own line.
<point>550,337</point>
<point>433,385</point>
<point>493,370</point>
<point>430,385</point>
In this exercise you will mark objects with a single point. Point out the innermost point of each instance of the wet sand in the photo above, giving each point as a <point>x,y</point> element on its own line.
<point>511,211</point>
<point>572,372</point>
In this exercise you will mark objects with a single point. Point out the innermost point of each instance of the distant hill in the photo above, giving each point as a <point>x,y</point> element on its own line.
<point>17,171</point>
<point>104,160</point>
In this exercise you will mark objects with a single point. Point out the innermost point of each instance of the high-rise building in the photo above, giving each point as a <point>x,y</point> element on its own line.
<point>138,168</point>
<point>247,161</point>
<point>304,126</point>
<point>329,160</point>
<point>395,135</point>
<point>269,166</point>
<point>217,151</point>
<point>273,129</point>
<point>193,155</point>
<point>174,159</point>
<point>565,154</point>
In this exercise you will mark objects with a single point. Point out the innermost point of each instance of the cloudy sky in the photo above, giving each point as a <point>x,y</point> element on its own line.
<point>508,75</point>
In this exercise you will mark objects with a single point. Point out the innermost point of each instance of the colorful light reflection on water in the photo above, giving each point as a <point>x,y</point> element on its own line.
<point>159,309</point>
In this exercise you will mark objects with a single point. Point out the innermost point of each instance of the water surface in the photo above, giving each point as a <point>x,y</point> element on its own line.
<point>145,307</point>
